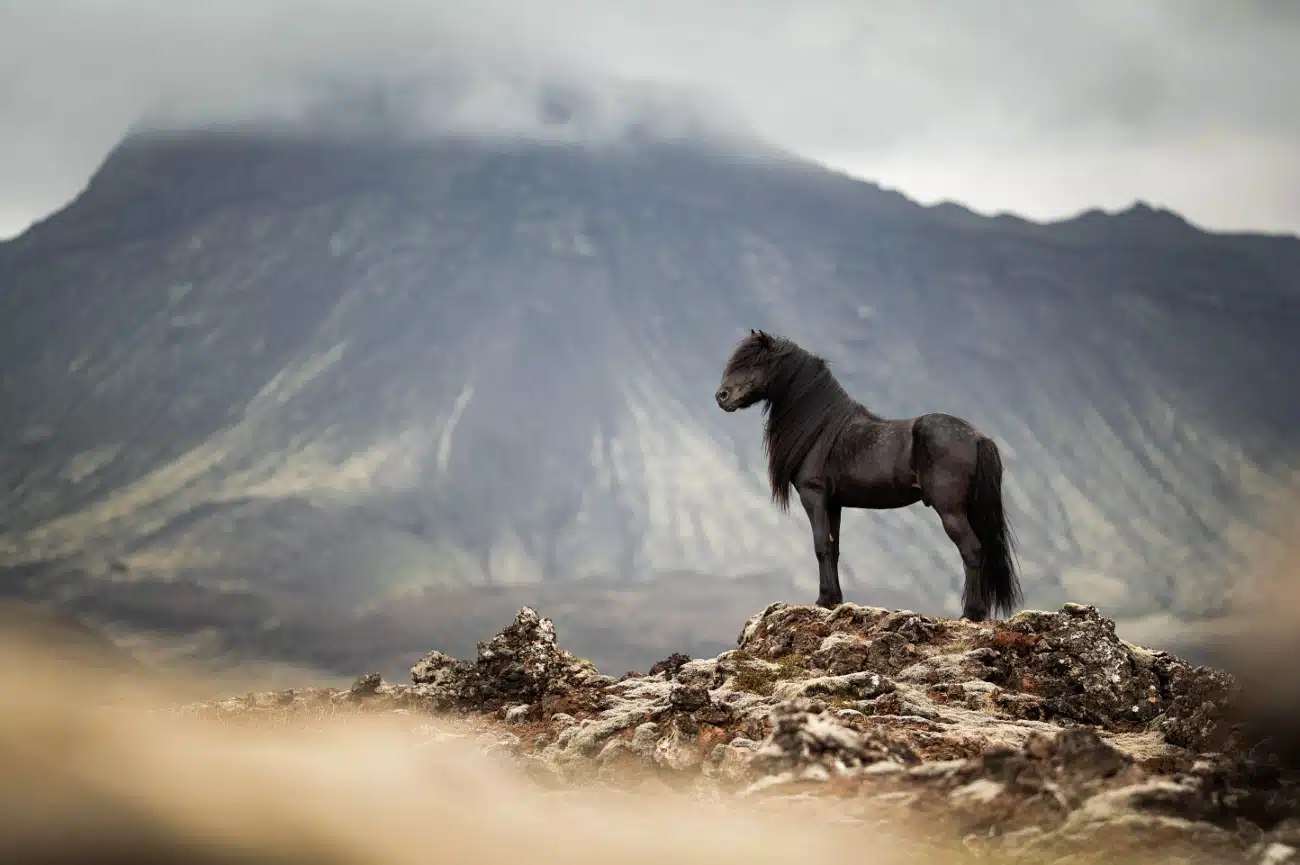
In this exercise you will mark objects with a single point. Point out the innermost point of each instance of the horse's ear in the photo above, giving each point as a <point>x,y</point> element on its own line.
<point>764,338</point>
<point>753,332</point>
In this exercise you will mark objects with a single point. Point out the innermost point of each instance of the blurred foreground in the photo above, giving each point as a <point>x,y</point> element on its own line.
<point>95,771</point>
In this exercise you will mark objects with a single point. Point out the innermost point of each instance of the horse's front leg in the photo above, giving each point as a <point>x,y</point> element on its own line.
<point>825,530</point>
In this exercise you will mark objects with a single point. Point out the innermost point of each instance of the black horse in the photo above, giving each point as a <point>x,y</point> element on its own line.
<point>838,454</point>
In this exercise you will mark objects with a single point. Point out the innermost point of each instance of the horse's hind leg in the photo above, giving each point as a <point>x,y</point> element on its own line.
<point>833,512</point>
<point>959,531</point>
<point>945,491</point>
<point>944,452</point>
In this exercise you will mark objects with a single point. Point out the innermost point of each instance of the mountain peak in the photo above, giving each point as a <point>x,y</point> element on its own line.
<point>1142,212</point>
<point>1140,220</point>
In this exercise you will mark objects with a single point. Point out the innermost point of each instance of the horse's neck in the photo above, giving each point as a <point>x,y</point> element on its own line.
<point>826,393</point>
<point>829,393</point>
<point>833,388</point>
<point>866,414</point>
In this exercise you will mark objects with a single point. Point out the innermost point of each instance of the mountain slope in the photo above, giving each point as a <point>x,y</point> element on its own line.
<point>302,381</point>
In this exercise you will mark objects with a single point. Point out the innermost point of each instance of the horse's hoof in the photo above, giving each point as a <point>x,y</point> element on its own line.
<point>828,605</point>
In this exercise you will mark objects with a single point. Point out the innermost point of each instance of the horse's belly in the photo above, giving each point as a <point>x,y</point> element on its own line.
<point>876,497</point>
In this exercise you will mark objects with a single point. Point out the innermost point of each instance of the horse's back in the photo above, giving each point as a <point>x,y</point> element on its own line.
<point>940,427</point>
<point>945,439</point>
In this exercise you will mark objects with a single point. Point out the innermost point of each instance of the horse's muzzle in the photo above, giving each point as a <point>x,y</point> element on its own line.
<point>724,402</point>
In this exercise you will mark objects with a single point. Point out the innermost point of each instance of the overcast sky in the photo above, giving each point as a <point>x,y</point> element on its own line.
<point>1041,108</point>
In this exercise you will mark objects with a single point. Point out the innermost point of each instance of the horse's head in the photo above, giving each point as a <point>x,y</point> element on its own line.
<point>748,373</point>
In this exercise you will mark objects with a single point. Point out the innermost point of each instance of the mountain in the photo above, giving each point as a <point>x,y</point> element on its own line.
<point>332,399</point>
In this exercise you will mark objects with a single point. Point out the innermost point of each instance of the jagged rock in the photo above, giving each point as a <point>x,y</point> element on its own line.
<point>367,684</point>
<point>700,672</point>
<point>1070,796</point>
<point>522,664</point>
<point>783,629</point>
<point>863,685</point>
<point>739,671</point>
<point>729,763</point>
<point>591,734</point>
<point>1036,785</point>
<point>670,665</point>
<point>1076,665</point>
<point>1043,735</point>
<point>1040,666</point>
<point>686,744</point>
<point>807,743</point>
<point>644,739</point>
<point>842,653</point>
<point>440,671</point>
<point>689,698</point>
<point>1113,827</point>
<point>1198,705</point>
<point>955,668</point>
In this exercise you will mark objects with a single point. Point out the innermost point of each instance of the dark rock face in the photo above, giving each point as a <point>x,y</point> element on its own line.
<point>1018,737</point>
<point>1078,668</point>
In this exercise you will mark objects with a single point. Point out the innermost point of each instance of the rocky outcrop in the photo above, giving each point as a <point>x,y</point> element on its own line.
<point>1042,735</point>
<point>522,667</point>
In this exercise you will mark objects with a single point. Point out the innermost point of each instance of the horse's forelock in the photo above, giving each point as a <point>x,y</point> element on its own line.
<point>759,350</point>
<point>750,352</point>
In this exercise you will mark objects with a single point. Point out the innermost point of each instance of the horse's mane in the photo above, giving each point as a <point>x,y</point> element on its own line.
<point>805,405</point>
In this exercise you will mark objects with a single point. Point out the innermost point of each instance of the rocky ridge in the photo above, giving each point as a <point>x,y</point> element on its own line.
<point>1044,737</point>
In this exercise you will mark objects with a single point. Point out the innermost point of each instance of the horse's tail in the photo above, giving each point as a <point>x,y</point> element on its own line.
<point>998,586</point>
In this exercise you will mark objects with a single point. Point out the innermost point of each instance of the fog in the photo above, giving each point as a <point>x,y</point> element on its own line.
<point>1040,109</point>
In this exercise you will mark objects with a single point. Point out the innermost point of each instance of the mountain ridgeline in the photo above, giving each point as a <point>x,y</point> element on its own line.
<point>332,401</point>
